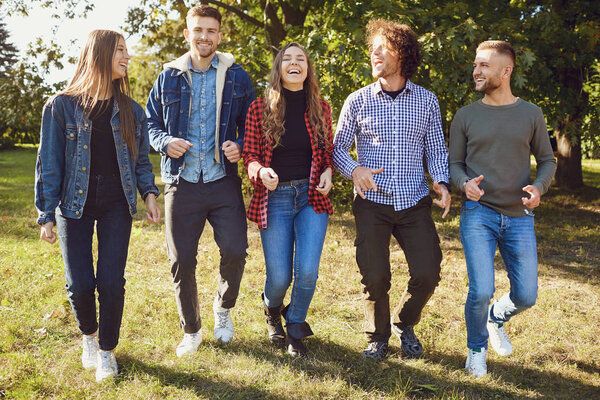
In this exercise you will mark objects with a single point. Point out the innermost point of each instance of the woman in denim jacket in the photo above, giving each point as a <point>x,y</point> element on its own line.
<point>287,152</point>
<point>93,153</point>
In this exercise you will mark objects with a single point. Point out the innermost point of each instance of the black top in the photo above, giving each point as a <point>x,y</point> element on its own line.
<point>103,155</point>
<point>393,94</point>
<point>293,157</point>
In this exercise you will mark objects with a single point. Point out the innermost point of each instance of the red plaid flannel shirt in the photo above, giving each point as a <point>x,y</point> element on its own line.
<point>257,149</point>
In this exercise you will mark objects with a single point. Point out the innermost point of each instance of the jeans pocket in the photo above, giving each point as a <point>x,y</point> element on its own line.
<point>470,205</point>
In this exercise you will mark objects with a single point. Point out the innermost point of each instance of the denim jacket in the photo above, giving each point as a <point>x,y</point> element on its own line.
<point>169,106</point>
<point>63,161</point>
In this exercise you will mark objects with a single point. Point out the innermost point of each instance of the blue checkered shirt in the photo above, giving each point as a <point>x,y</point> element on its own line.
<point>396,134</point>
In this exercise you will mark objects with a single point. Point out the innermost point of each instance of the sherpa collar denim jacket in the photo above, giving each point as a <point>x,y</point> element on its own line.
<point>63,161</point>
<point>169,107</point>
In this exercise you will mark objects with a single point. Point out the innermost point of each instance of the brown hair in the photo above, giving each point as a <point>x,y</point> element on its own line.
<point>401,40</point>
<point>93,81</point>
<point>274,112</point>
<point>204,11</point>
<point>500,46</point>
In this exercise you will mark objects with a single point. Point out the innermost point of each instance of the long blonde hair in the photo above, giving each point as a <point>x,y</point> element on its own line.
<point>93,80</point>
<point>274,112</point>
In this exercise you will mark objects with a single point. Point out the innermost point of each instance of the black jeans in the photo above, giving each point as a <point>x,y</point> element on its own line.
<point>107,209</point>
<point>187,207</point>
<point>415,231</point>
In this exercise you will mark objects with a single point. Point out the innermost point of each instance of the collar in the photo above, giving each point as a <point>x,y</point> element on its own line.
<point>214,63</point>
<point>408,88</point>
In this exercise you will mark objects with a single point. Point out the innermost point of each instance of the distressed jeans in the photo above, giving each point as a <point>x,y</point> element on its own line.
<point>482,230</point>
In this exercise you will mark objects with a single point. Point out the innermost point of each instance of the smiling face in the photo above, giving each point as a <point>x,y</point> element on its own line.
<point>203,35</point>
<point>294,67</point>
<point>491,70</point>
<point>384,62</point>
<point>120,60</point>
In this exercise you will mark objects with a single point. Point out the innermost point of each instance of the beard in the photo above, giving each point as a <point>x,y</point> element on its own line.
<point>205,51</point>
<point>387,70</point>
<point>488,86</point>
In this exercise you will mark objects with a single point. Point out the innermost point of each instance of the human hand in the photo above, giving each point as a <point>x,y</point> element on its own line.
<point>445,199</point>
<point>47,233</point>
<point>153,214</point>
<point>177,147</point>
<point>534,197</point>
<point>325,182</point>
<point>363,179</point>
<point>472,189</point>
<point>269,178</point>
<point>232,151</point>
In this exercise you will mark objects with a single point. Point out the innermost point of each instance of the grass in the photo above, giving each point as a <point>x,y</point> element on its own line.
<point>557,351</point>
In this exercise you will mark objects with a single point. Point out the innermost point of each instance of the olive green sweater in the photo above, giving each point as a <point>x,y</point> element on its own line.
<point>496,142</point>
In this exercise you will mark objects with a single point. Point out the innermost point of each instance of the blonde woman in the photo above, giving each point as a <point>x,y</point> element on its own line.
<point>287,152</point>
<point>93,154</point>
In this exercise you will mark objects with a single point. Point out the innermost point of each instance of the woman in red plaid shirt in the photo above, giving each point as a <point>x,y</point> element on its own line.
<point>288,156</point>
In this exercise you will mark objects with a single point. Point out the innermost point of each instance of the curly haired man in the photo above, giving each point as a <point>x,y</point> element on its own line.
<point>395,124</point>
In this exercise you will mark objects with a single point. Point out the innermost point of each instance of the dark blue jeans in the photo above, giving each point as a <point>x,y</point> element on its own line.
<point>107,209</point>
<point>292,244</point>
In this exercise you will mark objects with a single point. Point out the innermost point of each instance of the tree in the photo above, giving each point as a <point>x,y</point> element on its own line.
<point>565,37</point>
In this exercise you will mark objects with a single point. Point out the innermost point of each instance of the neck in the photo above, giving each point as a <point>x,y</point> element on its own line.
<point>293,87</point>
<point>393,83</point>
<point>201,63</point>
<point>499,97</point>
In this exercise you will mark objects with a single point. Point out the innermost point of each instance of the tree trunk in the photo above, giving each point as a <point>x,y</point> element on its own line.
<point>568,174</point>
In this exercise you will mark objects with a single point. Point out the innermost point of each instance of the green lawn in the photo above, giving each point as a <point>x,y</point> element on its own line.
<point>557,346</point>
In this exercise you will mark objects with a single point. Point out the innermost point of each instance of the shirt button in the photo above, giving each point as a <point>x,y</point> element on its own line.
<point>180,111</point>
<point>179,133</point>
<point>83,168</point>
<point>80,191</point>
<point>85,147</point>
<point>71,136</point>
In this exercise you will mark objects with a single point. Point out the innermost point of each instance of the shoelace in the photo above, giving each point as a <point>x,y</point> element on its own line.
<point>478,358</point>
<point>375,347</point>
<point>105,359</point>
<point>89,345</point>
<point>190,337</point>
<point>409,335</point>
<point>502,333</point>
<point>223,317</point>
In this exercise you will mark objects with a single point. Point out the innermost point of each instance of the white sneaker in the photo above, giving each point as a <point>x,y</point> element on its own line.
<point>475,364</point>
<point>223,323</point>
<point>499,339</point>
<point>107,365</point>
<point>89,346</point>
<point>189,344</point>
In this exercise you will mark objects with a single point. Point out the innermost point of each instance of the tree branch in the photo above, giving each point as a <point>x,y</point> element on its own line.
<point>234,10</point>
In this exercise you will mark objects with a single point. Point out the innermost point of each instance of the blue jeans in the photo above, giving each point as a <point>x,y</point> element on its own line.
<point>482,229</point>
<point>107,209</point>
<point>292,244</point>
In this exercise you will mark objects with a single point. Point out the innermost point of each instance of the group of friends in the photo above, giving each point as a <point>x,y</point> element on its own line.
<point>202,117</point>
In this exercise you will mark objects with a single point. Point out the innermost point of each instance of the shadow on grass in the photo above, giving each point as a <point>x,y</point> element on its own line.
<point>201,385</point>
<point>392,377</point>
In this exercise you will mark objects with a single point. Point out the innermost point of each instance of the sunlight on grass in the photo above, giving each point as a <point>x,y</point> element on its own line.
<point>557,349</point>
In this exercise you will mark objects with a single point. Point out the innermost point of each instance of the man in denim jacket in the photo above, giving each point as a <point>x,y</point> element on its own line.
<point>194,109</point>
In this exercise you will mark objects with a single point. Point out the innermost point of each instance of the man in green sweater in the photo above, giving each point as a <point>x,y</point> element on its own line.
<point>490,145</point>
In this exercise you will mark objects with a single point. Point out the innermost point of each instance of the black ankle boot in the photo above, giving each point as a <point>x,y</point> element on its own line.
<point>274,327</point>
<point>296,332</point>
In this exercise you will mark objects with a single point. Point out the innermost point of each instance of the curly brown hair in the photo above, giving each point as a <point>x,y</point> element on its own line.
<point>401,40</point>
